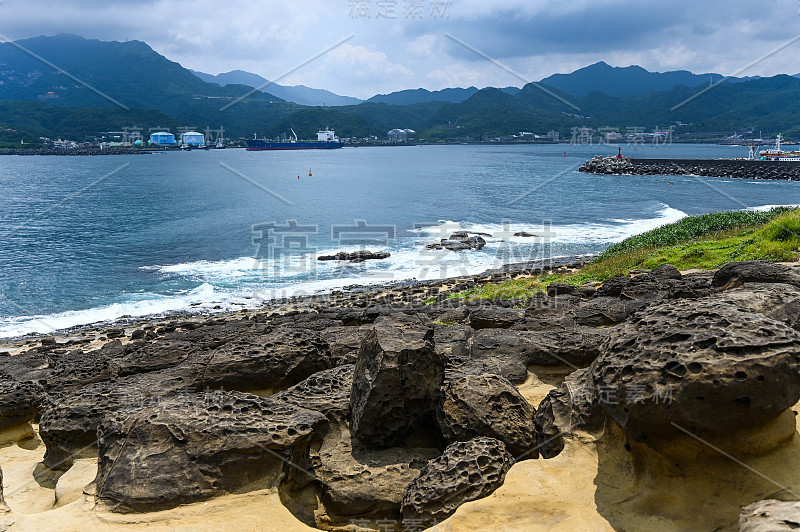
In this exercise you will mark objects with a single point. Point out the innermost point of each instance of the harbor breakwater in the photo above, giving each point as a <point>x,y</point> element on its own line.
<point>731,168</point>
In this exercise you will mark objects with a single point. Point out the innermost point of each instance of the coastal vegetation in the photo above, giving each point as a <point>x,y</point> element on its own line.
<point>707,241</point>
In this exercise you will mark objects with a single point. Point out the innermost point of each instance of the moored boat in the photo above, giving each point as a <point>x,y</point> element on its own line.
<point>326,140</point>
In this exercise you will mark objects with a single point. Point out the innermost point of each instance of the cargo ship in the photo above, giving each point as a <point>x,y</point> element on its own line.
<point>326,140</point>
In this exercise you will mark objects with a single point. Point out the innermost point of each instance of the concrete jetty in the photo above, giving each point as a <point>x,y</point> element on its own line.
<point>731,168</point>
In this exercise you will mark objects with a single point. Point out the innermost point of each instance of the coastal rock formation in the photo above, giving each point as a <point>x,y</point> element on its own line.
<point>466,471</point>
<point>357,256</point>
<point>774,300</point>
<point>460,241</point>
<point>770,516</point>
<point>570,407</point>
<point>195,446</point>
<point>513,351</point>
<point>488,405</point>
<point>738,273</point>
<point>327,392</point>
<point>397,380</point>
<point>273,361</point>
<point>721,366</point>
<point>19,402</point>
<point>495,317</point>
<point>352,482</point>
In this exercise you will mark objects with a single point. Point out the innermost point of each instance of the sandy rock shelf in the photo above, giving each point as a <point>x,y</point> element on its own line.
<point>664,400</point>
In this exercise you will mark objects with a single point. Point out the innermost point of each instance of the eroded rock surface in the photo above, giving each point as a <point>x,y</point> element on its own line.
<point>466,471</point>
<point>488,405</point>
<point>737,273</point>
<point>195,446</point>
<point>770,516</point>
<point>397,380</point>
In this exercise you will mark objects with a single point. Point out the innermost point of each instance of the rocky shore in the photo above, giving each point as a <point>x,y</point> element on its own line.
<point>730,168</point>
<point>623,406</point>
<point>74,152</point>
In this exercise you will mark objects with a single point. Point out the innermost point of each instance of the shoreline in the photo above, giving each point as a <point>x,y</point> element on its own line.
<point>352,294</point>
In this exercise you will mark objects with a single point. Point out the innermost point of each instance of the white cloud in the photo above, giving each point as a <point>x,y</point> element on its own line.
<point>534,37</point>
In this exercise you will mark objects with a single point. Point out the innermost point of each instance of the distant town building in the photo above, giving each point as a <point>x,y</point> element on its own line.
<point>162,138</point>
<point>193,138</point>
<point>553,135</point>
<point>401,135</point>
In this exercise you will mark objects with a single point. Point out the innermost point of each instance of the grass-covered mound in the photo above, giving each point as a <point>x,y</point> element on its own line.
<point>707,241</point>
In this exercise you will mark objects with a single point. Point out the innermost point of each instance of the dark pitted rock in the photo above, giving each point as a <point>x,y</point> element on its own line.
<point>196,446</point>
<point>510,352</point>
<point>31,366</point>
<point>353,483</point>
<point>397,380</point>
<point>770,516</point>
<point>690,286</point>
<point>20,402</point>
<point>777,301</point>
<point>666,271</point>
<point>273,361</point>
<point>495,317</point>
<point>459,241</point>
<point>68,425</point>
<point>645,286</point>
<point>327,392</point>
<point>600,312</point>
<point>572,406</point>
<point>737,273</point>
<point>501,352</point>
<point>465,472</point>
<point>613,287</point>
<point>723,367</point>
<point>524,234</point>
<point>357,256</point>
<point>586,291</point>
<point>344,343</point>
<point>488,405</point>
<point>560,289</point>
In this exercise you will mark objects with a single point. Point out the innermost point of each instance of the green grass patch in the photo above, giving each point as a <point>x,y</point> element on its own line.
<point>708,241</point>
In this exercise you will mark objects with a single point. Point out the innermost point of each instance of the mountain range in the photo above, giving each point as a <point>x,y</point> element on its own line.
<point>299,94</point>
<point>69,86</point>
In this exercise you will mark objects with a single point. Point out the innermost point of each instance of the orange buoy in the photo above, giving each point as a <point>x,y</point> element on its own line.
<point>309,172</point>
<point>298,177</point>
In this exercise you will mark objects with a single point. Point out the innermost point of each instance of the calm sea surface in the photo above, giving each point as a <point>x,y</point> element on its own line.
<point>88,239</point>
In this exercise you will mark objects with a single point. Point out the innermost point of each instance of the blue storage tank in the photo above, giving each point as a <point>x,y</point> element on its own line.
<point>193,138</point>
<point>162,138</point>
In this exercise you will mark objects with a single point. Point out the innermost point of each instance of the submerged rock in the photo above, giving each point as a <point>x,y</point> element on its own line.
<point>357,256</point>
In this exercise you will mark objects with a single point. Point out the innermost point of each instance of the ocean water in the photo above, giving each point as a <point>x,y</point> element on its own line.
<point>93,239</point>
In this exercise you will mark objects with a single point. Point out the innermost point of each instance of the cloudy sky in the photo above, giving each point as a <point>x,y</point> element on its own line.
<point>400,44</point>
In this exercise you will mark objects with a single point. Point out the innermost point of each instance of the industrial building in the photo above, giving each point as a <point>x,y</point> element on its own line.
<point>162,138</point>
<point>193,138</point>
<point>401,135</point>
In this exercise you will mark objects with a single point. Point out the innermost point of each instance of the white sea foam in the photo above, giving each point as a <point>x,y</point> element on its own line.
<point>609,231</point>
<point>245,283</point>
<point>764,208</point>
<point>145,304</point>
